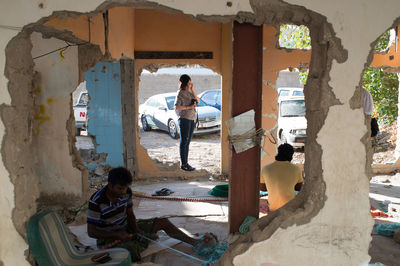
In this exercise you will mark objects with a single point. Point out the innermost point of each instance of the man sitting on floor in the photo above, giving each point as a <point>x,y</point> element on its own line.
<point>281,179</point>
<point>111,219</point>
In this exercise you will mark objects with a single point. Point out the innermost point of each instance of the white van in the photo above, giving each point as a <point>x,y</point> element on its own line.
<point>80,112</point>
<point>289,92</point>
<point>292,123</point>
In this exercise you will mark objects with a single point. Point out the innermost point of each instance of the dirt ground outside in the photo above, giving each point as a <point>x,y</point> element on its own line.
<point>204,150</point>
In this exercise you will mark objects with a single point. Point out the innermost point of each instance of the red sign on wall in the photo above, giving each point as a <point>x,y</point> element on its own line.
<point>82,114</point>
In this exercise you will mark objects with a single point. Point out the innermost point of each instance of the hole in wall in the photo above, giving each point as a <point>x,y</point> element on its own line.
<point>158,121</point>
<point>292,124</point>
<point>294,37</point>
<point>379,99</point>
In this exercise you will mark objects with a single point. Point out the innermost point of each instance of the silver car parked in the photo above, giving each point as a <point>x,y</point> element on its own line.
<point>158,113</point>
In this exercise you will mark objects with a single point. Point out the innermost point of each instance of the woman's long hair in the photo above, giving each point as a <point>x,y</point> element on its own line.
<point>184,79</point>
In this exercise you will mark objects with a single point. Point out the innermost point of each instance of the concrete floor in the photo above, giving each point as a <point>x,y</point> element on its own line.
<point>202,217</point>
<point>191,217</point>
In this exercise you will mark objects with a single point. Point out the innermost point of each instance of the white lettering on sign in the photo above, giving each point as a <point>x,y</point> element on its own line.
<point>81,114</point>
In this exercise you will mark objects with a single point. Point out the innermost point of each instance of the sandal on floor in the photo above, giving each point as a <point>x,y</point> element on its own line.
<point>163,192</point>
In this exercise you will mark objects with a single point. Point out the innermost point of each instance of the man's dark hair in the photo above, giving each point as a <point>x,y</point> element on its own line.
<point>120,176</point>
<point>285,152</point>
<point>184,79</point>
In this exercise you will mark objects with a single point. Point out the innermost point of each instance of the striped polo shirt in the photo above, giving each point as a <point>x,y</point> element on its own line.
<point>106,215</point>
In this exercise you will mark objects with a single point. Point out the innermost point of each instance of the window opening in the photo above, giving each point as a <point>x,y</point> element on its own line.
<point>80,101</point>
<point>159,128</point>
<point>292,124</point>
<point>294,37</point>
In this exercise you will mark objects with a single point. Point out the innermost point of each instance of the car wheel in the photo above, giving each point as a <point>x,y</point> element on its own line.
<point>145,125</point>
<point>172,129</point>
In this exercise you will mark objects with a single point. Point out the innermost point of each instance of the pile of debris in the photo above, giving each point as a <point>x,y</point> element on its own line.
<point>386,138</point>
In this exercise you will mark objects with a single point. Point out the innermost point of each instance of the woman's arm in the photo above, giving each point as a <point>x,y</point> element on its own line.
<point>191,89</point>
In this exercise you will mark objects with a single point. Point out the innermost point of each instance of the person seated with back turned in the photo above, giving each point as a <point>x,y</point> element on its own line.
<point>281,178</point>
<point>111,220</point>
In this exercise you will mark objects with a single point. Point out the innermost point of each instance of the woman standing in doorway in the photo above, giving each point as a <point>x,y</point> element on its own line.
<point>185,107</point>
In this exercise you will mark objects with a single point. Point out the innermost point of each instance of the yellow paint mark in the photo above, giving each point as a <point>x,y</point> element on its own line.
<point>38,90</point>
<point>41,117</point>
<point>61,53</point>
<point>53,64</point>
<point>50,100</point>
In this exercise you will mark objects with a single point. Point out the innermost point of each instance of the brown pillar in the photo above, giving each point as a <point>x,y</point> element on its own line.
<point>128,113</point>
<point>246,95</point>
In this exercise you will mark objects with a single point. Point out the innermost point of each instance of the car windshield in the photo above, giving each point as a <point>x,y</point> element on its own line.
<point>84,99</point>
<point>298,93</point>
<point>293,108</point>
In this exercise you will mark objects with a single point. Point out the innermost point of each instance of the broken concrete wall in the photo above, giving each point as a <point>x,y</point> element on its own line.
<point>18,180</point>
<point>57,79</point>
<point>340,138</point>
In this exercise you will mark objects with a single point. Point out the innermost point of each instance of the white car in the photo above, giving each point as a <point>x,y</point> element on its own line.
<point>158,113</point>
<point>292,123</point>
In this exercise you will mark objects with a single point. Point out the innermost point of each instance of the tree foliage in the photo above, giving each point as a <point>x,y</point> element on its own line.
<point>294,37</point>
<point>303,77</point>
<point>383,42</point>
<point>384,89</point>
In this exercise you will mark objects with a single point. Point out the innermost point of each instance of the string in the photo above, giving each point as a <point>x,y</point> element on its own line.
<point>180,252</point>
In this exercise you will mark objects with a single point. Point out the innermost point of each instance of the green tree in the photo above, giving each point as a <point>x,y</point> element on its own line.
<point>294,37</point>
<point>384,89</point>
<point>383,41</point>
<point>303,77</point>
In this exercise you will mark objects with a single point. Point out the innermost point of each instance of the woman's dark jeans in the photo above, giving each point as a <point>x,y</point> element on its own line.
<point>186,131</point>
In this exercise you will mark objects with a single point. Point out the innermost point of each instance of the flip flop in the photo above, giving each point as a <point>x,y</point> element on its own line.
<point>163,192</point>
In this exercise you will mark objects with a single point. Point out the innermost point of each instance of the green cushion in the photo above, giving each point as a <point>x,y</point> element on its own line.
<point>220,191</point>
<point>50,243</point>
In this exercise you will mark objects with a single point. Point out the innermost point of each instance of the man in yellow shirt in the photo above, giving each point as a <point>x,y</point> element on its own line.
<point>282,178</point>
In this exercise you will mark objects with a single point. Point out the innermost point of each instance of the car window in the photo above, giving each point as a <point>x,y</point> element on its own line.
<point>170,102</point>
<point>219,98</point>
<point>84,99</point>
<point>298,93</point>
<point>283,93</point>
<point>160,102</point>
<point>292,108</point>
<point>152,102</point>
<point>210,98</point>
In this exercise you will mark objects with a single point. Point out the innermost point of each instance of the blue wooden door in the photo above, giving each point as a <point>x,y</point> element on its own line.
<point>103,83</point>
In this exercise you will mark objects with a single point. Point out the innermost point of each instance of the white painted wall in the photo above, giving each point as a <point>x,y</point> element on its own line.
<point>329,239</point>
<point>58,79</point>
